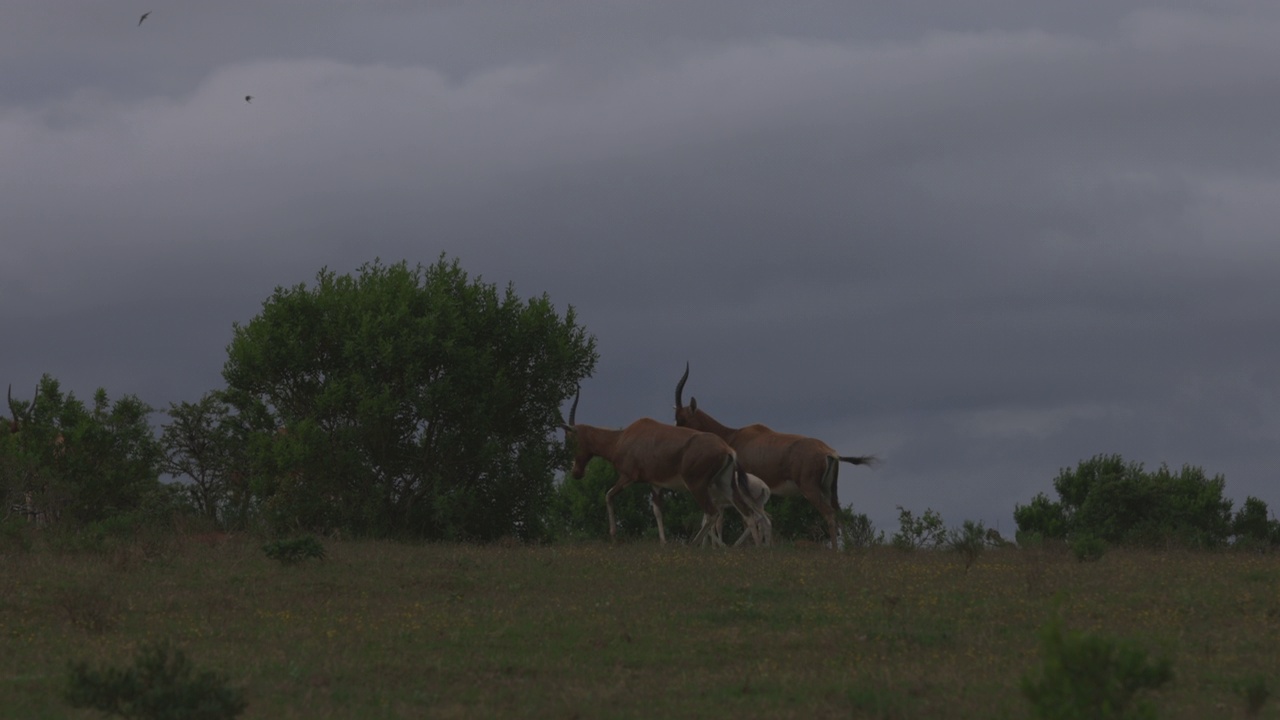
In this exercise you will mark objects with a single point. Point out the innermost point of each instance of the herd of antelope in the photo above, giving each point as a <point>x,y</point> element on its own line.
<point>719,466</point>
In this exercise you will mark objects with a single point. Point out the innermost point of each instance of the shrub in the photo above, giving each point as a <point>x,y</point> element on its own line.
<point>969,540</point>
<point>926,531</point>
<point>15,534</point>
<point>1253,526</point>
<point>295,550</point>
<point>162,685</point>
<point>1121,503</point>
<point>1089,677</point>
<point>1256,693</point>
<point>1088,547</point>
<point>858,531</point>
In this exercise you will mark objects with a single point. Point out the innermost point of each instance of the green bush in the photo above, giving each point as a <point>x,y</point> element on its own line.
<point>858,531</point>
<point>925,532</point>
<point>1088,677</point>
<point>1256,692</point>
<point>162,685</point>
<point>294,550</point>
<point>15,534</point>
<point>968,540</point>
<point>1088,547</point>
<point>1123,504</point>
<point>1253,527</point>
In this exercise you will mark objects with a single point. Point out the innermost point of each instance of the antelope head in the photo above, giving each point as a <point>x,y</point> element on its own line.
<point>580,455</point>
<point>684,414</point>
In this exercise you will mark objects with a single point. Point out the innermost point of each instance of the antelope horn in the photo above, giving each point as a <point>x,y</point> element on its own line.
<point>573,409</point>
<point>680,386</point>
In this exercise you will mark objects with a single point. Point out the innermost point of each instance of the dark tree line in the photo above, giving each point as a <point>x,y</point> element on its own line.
<point>417,402</point>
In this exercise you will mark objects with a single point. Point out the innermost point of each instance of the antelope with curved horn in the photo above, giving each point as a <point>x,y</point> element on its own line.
<point>668,457</point>
<point>788,464</point>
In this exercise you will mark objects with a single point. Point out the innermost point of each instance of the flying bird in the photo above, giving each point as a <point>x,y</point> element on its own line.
<point>248,98</point>
<point>144,17</point>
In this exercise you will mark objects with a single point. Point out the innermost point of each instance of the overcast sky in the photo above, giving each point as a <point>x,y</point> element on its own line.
<point>983,239</point>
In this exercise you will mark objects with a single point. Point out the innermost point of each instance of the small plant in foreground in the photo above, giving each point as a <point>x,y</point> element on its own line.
<point>1256,693</point>
<point>295,550</point>
<point>1089,677</point>
<point>1088,547</point>
<point>161,685</point>
<point>969,540</point>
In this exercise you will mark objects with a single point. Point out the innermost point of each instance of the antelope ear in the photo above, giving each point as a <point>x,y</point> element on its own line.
<point>693,404</point>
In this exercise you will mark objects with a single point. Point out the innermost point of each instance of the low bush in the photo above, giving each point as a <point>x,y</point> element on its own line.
<point>294,550</point>
<point>162,684</point>
<point>1089,677</point>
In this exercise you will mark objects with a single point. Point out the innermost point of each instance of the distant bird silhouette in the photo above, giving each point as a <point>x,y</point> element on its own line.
<point>144,16</point>
<point>248,98</point>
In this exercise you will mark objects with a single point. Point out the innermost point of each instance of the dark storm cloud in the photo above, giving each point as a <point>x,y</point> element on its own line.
<point>984,239</point>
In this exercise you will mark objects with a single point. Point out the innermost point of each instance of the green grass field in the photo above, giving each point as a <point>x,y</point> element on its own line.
<point>384,630</point>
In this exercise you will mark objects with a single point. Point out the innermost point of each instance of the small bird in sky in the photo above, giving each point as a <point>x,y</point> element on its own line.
<point>144,17</point>
<point>248,98</point>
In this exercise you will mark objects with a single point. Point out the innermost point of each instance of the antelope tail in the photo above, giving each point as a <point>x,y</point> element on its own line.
<point>868,460</point>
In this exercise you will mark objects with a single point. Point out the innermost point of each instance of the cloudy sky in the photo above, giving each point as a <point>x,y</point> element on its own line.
<point>983,239</point>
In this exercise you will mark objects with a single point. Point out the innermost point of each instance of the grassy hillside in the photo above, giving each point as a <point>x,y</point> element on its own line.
<point>382,630</point>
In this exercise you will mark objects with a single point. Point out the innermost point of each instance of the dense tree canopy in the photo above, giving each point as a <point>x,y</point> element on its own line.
<point>407,401</point>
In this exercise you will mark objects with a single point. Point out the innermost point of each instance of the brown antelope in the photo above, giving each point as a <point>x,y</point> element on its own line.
<point>788,464</point>
<point>667,457</point>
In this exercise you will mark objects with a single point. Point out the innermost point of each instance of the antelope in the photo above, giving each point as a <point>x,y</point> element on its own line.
<point>758,494</point>
<point>788,464</point>
<point>666,457</point>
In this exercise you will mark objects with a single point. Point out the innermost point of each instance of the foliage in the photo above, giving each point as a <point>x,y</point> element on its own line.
<point>1088,547</point>
<point>1090,677</point>
<point>406,401</point>
<point>1121,503</point>
<point>924,532</point>
<point>162,685</point>
<point>858,531</point>
<point>79,464</point>
<point>968,540</point>
<point>1256,691</point>
<point>294,550</point>
<point>577,509</point>
<point>794,517</point>
<point>207,443</point>
<point>1253,526</point>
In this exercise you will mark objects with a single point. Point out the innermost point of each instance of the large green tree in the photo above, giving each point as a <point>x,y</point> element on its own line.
<point>407,401</point>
